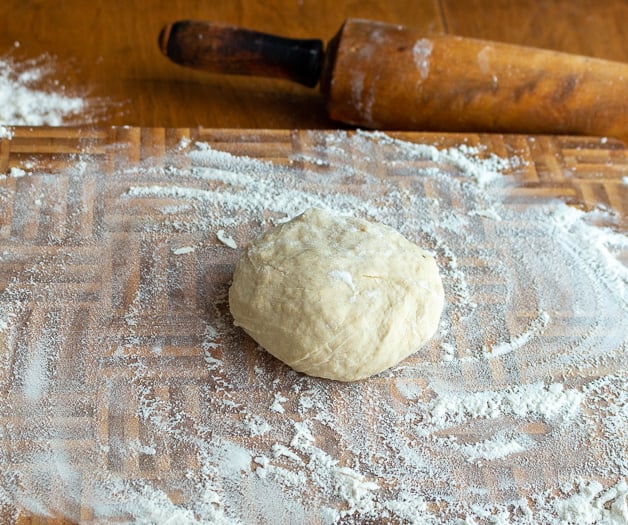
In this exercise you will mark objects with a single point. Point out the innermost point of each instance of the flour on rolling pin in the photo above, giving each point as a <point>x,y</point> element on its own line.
<point>421,52</point>
<point>524,376</point>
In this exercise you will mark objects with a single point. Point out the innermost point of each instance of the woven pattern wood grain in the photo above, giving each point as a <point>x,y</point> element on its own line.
<point>59,222</point>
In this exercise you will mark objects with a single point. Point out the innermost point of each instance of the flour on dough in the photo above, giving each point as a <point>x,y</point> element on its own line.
<point>336,297</point>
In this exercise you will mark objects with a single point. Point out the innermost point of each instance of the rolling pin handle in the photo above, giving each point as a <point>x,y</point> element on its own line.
<point>219,48</point>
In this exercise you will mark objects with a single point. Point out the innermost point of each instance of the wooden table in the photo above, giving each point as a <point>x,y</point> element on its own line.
<point>149,107</point>
<point>110,48</point>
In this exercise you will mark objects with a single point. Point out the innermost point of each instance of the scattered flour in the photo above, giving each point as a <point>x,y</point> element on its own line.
<point>536,327</point>
<point>14,173</point>
<point>23,102</point>
<point>226,239</point>
<point>494,448</point>
<point>157,410</point>
<point>593,504</point>
<point>183,250</point>
<point>5,132</point>
<point>277,405</point>
<point>552,401</point>
<point>489,213</point>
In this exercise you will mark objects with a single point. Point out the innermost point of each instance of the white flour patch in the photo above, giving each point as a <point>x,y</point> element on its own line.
<point>496,447</point>
<point>422,53</point>
<point>226,239</point>
<point>489,213</point>
<point>552,401</point>
<point>536,327</point>
<point>129,391</point>
<point>5,132</point>
<point>16,173</point>
<point>24,104</point>
<point>183,250</point>
<point>277,405</point>
<point>591,503</point>
<point>484,60</point>
<point>344,277</point>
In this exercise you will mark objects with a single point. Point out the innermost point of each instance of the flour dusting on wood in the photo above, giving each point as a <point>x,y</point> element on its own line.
<point>23,102</point>
<point>129,395</point>
<point>422,53</point>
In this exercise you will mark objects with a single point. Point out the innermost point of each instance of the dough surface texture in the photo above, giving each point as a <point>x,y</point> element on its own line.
<point>336,297</point>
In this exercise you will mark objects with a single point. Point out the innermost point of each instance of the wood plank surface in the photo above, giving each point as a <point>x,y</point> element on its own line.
<point>135,386</point>
<point>573,27</point>
<point>92,271</point>
<point>108,49</point>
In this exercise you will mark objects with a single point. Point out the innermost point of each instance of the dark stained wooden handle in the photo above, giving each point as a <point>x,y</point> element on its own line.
<point>220,48</point>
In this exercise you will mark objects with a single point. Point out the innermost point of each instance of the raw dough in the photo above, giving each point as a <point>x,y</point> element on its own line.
<point>336,297</point>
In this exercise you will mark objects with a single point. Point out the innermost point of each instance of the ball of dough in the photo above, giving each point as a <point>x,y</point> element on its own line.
<point>335,296</point>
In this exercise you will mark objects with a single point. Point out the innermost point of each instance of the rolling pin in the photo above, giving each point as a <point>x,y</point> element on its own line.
<point>377,75</point>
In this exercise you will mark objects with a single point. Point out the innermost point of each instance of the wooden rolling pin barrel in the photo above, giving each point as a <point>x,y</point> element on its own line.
<point>383,76</point>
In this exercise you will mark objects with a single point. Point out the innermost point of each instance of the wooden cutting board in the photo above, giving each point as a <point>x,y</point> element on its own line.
<point>587,170</point>
<point>89,373</point>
